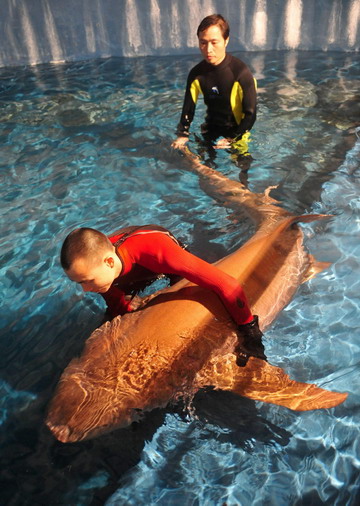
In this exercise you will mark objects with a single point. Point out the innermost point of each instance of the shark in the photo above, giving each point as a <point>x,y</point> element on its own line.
<point>181,338</point>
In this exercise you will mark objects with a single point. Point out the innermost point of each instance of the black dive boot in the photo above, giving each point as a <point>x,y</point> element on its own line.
<point>250,345</point>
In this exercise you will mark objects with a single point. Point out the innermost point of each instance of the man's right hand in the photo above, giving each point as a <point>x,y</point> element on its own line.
<point>223,143</point>
<point>179,142</point>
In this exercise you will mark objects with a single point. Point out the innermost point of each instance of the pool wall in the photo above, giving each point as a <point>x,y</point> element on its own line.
<point>42,31</point>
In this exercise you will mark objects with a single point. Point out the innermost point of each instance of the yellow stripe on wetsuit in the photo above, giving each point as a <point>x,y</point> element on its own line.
<point>195,89</point>
<point>236,98</point>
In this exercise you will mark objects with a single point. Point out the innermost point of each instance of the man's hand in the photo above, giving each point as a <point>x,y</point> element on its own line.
<point>179,142</point>
<point>249,343</point>
<point>136,302</point>
<point>223,144</point>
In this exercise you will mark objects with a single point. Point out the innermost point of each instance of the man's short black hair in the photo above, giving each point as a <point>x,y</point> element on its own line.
<point>83,242</point>
<point>214,19</point>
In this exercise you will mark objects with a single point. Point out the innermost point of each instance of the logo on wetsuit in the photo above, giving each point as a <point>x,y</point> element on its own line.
<point>215,90</point>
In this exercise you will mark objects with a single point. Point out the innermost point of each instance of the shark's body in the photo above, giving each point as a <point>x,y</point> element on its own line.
<point>182,338</point>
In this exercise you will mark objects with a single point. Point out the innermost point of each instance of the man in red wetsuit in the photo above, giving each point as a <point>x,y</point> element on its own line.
<point>124,262</point>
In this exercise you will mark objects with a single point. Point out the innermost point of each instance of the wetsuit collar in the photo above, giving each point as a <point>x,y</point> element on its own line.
<point>221,65</point>
<point>121,261</point>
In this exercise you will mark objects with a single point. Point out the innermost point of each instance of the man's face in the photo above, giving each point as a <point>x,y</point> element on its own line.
<point>93,277</point>
<point>213,45</point>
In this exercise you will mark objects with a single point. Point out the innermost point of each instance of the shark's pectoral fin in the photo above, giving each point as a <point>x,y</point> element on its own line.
<point>264,382</point>
<point>271,384</point>
<point>314,268</point>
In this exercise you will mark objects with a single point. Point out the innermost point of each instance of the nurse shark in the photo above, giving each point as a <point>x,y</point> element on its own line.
<point>181,338</point>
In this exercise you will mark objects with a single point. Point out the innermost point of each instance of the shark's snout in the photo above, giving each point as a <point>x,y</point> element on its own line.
<point>61,432</point>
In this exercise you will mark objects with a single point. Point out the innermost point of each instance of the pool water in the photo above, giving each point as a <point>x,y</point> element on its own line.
<point>88,144</point>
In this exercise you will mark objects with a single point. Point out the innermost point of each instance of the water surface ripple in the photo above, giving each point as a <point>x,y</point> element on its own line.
<point>87,144</point>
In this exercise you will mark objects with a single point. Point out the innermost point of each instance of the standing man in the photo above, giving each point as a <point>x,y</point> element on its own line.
<point>229,91</point>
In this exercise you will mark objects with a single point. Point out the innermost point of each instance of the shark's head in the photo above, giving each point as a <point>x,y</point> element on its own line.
<point>84,408</point>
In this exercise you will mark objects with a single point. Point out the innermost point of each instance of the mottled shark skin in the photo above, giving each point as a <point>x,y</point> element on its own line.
<point>181,338</point>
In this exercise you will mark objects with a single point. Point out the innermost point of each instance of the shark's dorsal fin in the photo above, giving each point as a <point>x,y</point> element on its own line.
<point>314,268</point>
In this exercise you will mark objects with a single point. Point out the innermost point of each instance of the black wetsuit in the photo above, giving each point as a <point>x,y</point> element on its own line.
<point>229,91</point>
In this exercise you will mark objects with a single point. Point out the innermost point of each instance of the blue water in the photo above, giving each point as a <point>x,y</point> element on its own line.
<point>88,144</point>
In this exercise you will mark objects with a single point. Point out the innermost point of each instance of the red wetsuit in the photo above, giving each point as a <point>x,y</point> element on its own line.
<point>151,250</point>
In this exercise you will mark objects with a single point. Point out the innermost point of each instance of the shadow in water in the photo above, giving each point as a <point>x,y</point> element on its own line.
<point>37,469</point>
<point>213,415</point>
<point>234,419</point>
<point>89,472</point>
<point>305,188</point>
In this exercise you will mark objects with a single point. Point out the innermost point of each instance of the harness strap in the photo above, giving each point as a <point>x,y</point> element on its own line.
<point>143,230</point>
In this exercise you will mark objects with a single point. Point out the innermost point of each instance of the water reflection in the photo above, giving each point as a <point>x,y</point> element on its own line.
<point>80,138</point>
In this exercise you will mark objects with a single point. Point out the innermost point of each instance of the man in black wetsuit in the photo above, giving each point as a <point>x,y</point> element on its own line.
<point>229,91</point>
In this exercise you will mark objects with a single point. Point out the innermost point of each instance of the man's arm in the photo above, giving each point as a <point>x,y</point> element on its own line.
<point>187,115</point>
<point>248,86</point>
<point>116,302</point>
<point>159,253</point>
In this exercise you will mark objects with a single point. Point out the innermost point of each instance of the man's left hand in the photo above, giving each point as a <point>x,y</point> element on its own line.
<point>249,343</point>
